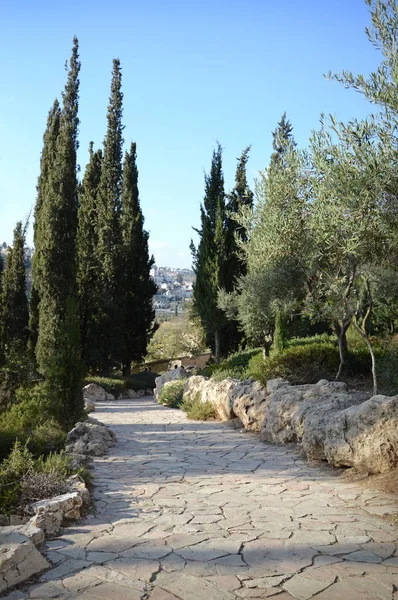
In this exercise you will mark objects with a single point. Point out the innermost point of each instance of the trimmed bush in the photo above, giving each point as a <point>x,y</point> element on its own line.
<point>302,364</point>
<point>172,393</point>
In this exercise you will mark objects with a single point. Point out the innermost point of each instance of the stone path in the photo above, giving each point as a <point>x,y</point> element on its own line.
<point>192,511</point>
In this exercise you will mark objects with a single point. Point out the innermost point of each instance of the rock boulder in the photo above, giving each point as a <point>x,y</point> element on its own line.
<point>92,391</point>
<point>172,375</point>
<point>249,402</point>
<point>365,436</point>
<point>19,559</point>
<point>89,438</point>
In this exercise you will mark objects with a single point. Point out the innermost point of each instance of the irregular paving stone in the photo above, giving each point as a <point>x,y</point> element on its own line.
<point>190,510</point>
<point>304,588</point>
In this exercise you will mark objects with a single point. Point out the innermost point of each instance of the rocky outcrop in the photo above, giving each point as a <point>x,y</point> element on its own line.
<point>173,375</point>
<point>249,402</point>
<point>219,394</point>
<point>19,559</point>
<point>300,413</point>
<point>89,405</point>
<point>92,391</point>
<point>364,436</point>
<point>50,514</point>
<point>90,438</point>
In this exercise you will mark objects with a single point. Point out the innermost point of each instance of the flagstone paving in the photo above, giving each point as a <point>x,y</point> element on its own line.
<point>191,511</point>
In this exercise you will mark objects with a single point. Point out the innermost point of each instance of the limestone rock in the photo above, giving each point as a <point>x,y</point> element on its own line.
<point>77,484</point>
<point>33,533</point>
<point>49,514</point>
<point>148,392</point>
<point>218,393</point>
<point>249,402</point>
<point>92,391</point>
<point>298,413</point>
<point>276,384</point>
<point>19,559</point>
<point>365,436</point>
<point>140,393</point>
<point>49,523</point>
<point>89,405</point>
<point>173,375</point>
<point>89,438</point>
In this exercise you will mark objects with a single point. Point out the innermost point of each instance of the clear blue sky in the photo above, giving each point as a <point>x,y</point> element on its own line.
<point>194,72</point>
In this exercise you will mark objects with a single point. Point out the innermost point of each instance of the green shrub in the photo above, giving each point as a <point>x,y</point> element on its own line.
<point>302,364</point>
<point>255,366</point>
<point>234,366</point>
<point>24,479</point>
<point>13,469</point>
<point>112,385</point>
<point>46,438</point>
<point>116,385</point>
<point>30,413</point>
<point>197,410</point>
<point>171,394</point>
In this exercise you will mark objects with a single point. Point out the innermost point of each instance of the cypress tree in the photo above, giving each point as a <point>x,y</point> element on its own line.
<point>282,141</point>
<point>138,288</point>
<point>241,197</point>
<point>1,328</point>
<point>108,227</point>
<point>46,165</point>
<point>88,276</point>
<point>14,301</point>
<point>58,345</point>
<point>210,257</point>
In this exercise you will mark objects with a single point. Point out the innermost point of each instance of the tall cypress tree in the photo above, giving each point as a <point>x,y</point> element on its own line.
<point>46,165</point>
<point>282,141</point>
<point>138,288</point>
<point>14,301</point>
<point>240,197</point>
<point>108,226</point>
<point>210,257</point>
<point>58,344</point>
<point>1,287</point>
<point>88,276</point>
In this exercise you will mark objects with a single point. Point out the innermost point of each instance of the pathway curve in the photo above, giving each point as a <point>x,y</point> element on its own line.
<point>196,511</point>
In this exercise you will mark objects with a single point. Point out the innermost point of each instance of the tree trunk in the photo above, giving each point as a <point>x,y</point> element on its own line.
<point>343,346</point>
<point>217,346</point>
<point>266,349</point>
<point>372,356</point>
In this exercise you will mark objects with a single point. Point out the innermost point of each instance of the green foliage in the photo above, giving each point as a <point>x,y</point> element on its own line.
<point>171,394</point>
<point>88,265</point>
<point>180,336</point>
<point>116,385</point>
<point>13,469</point>
<point>210,258</point>
<point>54,273</point>
<point>302,364</point>
<point>30,420</point>
<point>197,410</point>
<point>24,480</point>
<point>14,314</point>
<point>236,366</point>
<point>108,315</point>
<point>280,332</point>
<point>137,288</point>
